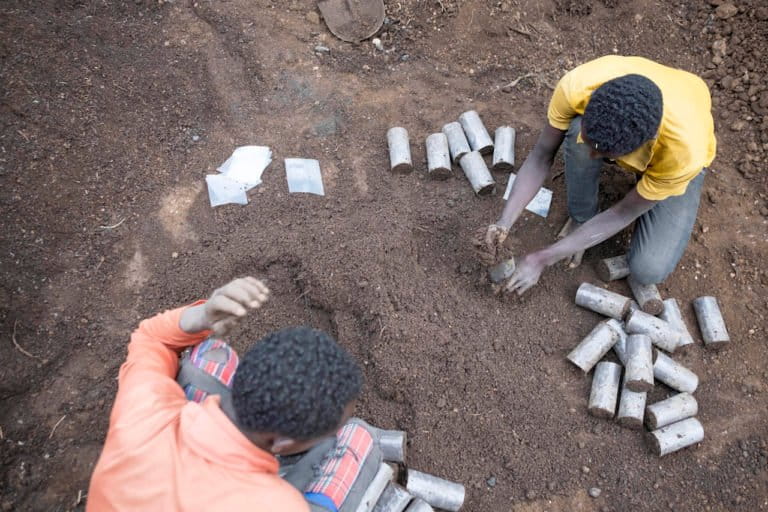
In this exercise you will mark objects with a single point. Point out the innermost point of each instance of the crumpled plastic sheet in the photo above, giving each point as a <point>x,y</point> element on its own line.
<point>239,173</point>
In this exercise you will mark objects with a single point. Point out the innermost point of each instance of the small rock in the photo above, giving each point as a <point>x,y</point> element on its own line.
<point>507,88</point>
<point>313,17</point>
<point>551,486</point>
<point>491,481</point>
<point>720,47</point>
<point>322,49</point>
<point>585,469</point>
<point>582,444</point>
<point>174,255</point>
<point>377,44</point>
<point>195,138</point>
<point>441,402</point>
<point>595,492</point>
<point>404,57</point>
<point>738,125</point>
<point>726,11</point>
<point>530,495</point>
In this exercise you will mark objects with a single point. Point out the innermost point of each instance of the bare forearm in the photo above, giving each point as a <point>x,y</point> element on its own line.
<point>532,175</point>
<point>527,183</point>
<point>598,229</point>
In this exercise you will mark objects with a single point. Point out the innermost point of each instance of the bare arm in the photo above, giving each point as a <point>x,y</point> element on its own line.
<point>599,228</point>
<point>531,175</point>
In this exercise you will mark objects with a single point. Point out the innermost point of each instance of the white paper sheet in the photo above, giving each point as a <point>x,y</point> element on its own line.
<point>222,190</point>
<point>303,175</point>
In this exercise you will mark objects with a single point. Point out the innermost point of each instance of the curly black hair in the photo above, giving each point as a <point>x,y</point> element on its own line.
<point>622,114</point>
<point>295,382</point>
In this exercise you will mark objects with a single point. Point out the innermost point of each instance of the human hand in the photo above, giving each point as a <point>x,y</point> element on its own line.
<point>526,274</point>
<point>226,306</point>
<point>488,243</point>
<point>574,260</point>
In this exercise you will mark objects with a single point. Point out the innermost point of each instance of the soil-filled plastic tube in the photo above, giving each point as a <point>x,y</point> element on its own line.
<point>661,333</point>
<point>438,492</point>
<point>602,301</point>
<point>647,295</point>
<point>504,149</point>
<point>477,135</point>
<point>673,374</point>
<point>711,322</point>
<point>438,157</point>
<point>673,409</point>
<point>620,348</point>
<point>594,346</point>
<point>611,269</point>
<point>639,365</point>
<point>502,271</point>
<point>392,443</point>
<point>457,141</point>
<point>676,436</point>
<point>477,173</point>
<point>605,390</point>
<point>419,505</point>
<point>631,407</point>
<point>375,489</point>
<point>393,499</point>
<point>674,317</point>
<point>399,150</point>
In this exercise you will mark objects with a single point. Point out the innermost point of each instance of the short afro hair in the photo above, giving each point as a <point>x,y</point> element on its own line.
<point>295,382</point>
<point>622,114</point>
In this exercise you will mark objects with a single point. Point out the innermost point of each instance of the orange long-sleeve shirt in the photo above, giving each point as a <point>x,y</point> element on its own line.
<point>166,453</point>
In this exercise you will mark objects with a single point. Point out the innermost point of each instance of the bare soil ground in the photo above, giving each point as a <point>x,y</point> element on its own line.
<point>113,112</point>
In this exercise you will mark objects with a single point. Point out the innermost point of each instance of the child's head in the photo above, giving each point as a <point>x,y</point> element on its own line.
<point>297,385</point>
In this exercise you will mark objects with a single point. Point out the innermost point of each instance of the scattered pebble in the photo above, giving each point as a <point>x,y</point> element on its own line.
<point>726,11</point>
<point>595,492</point>
<point>313,17</point>
<point>322,49</point>
<point>585,469</point>
<point>530,495</point>
<point>195,138</point>
<point>441,402</point>
<point>377,43</point>
<point>491,481</point>
<point>174,255</point>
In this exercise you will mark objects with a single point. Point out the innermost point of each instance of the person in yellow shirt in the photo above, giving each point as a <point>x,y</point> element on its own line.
<point>648,118</point>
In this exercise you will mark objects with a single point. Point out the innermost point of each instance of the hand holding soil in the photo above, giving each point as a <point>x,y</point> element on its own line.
<point>489,242</point>
<point>227,306</point>
<point>526,274</point>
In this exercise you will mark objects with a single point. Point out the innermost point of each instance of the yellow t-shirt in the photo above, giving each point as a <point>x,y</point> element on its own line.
<point>685,142</point>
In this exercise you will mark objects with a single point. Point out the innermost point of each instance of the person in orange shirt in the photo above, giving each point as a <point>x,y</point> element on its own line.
<point>649,119</point>
<point>292,391</point>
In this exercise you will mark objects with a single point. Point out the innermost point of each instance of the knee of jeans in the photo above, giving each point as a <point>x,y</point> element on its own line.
<point>648,270</point>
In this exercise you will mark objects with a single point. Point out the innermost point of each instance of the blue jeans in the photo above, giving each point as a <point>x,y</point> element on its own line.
<point>661,234</point>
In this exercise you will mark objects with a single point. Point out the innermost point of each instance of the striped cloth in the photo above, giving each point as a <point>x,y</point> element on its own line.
<point>215,358</point>
<point>337,475</point>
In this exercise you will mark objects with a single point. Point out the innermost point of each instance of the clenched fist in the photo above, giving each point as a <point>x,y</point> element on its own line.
<point>226,307</point>
<point>488,243</point>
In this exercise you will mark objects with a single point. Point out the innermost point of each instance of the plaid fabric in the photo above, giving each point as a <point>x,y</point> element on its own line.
<point>338,474</point>
<point>214,357</point>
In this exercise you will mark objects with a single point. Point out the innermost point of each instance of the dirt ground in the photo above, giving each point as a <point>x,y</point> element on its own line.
<point>112,114</point>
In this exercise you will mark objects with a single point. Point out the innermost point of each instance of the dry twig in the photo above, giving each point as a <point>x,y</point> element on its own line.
<point>114,225</point>
<point>56,426</point>
<point>19,347</point>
